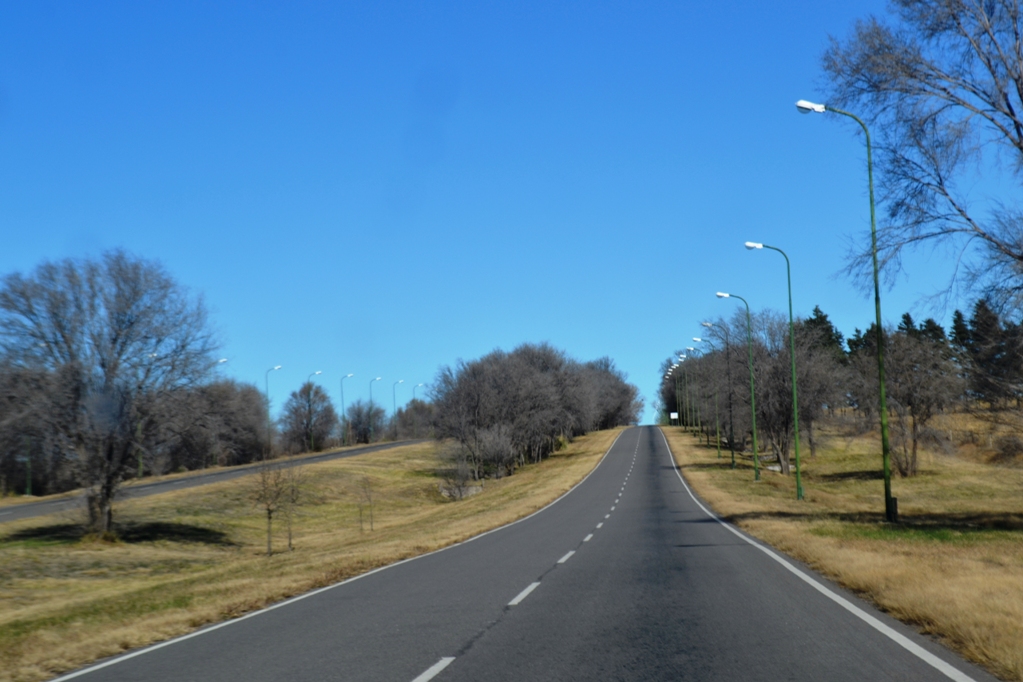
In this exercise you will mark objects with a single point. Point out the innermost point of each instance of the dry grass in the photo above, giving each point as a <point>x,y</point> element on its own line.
<point>195,557</point>
<point>953,566</point>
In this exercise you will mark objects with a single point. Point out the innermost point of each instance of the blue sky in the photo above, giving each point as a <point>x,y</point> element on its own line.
<point>384,188</point>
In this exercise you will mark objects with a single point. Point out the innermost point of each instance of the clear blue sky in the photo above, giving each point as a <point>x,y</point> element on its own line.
<point>384,188</point>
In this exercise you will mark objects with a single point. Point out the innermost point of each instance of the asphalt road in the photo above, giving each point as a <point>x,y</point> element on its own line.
<point>44,507</point>
<point>627,577</point>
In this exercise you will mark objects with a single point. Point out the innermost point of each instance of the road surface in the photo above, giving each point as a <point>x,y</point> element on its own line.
<point>626,577</point>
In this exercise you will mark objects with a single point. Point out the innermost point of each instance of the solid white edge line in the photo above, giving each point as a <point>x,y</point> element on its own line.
<point>160,645</point>
<point>523,594</point>
<point>432,671</point>
<point>566,557</point>
<point>588,537</point>
<point>909,645</point>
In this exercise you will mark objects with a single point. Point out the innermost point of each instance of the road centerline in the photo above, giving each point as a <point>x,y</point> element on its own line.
<point>523,594</point>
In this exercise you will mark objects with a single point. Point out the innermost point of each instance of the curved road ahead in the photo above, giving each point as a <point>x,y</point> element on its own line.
<point>625,578</point>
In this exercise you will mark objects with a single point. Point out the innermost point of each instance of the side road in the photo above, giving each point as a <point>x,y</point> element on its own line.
<point>163,484</point>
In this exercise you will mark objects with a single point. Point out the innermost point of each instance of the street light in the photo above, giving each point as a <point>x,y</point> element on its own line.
<point>752,392</point>
<point>414,390</point>
<point>394,404</point>
<point>792,360</point>
<point>717,420</point>
<point>269,437</point>
<point>310,377</point>
<point>728,375</point>
<point>891,510</point>
<point>696,402</point>
<point>371,408</point>
<point>344,417</point>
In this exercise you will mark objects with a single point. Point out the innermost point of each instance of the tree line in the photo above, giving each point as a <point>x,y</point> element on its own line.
<point>507,409</point>
<point>976,366</point>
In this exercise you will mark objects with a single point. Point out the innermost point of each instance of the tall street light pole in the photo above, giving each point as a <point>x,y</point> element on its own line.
<point>717,420</point>
<point>696,399</point>
<point>792,362</point>
<point>728,375</point>
<point>371,408</point>
<point>752,392</point>
<point>394,405</point>
<point>269,437</point>
<point>344,417</point>
<point>890,504</point>
<point>414,390</point>
<point>686,402</point>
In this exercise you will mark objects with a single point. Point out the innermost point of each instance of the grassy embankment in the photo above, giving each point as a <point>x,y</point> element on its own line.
<point>953,566</point>
<point>193,557</point>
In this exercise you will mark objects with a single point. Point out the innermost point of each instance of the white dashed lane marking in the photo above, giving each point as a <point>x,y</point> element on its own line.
<point>566,557</point>
<point>523,594</point>
<point>588,537</point>
<point>432,671</point>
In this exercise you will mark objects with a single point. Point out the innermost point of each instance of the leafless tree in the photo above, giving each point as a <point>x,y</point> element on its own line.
<point>365,421</point>
<point>270,490</point>
<point>295,484</point>
<point>414,420</point>
<point>535,397</point>
<point>364,493</point>
<point>221,423</point>
<point>309,419</point>
<point>117,344</point>
<point>941,84</point>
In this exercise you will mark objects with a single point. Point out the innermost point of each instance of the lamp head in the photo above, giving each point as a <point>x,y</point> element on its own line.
<point>708,325</point>
<point>690,349</point>
<point>682,357</point>
<point>348,376</point>
<point>754,245</point>
<point>221,361</point>
<point>317,372</point>
<point>401,381</point>
<point>378,379</point>
<point>721,294</point>
<point>277,367</point>
<point>697,339</point>
<point>806,107</point>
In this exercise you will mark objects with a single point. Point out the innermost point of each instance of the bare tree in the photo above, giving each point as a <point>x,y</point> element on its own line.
<point>295,484</point>
<point>309,418</point>
<point>269,491</point>
<point>364,495</point>
<point>943,87</point>
<point>117,344</point>
<point>365,421</point>
<point>535,396</point>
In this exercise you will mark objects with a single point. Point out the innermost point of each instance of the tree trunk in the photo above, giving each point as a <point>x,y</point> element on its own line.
<point>810,438</point>
<point>269,535</point>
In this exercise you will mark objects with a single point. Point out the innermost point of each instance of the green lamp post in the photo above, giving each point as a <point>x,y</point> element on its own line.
<point>717,420</point>
<point>752,392</point>
<point>890,504</point>
<point>792,361</point>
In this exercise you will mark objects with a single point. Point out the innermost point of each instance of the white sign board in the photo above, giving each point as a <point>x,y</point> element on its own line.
<point>674,415</point>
